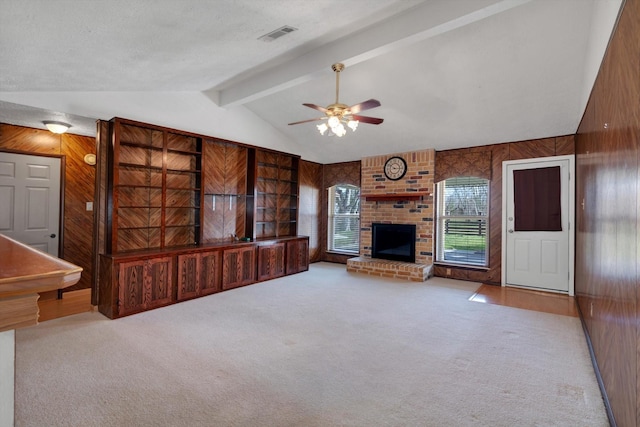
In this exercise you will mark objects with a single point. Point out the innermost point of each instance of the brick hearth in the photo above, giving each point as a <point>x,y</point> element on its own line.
<point>394,269</point>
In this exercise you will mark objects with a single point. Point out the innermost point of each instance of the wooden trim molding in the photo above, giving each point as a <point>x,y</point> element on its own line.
<point>393,196</point>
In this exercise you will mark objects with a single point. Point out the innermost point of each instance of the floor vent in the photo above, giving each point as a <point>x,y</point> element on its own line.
<point>269,37</point>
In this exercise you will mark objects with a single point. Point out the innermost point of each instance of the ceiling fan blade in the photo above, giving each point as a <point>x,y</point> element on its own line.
<point>366,105</point>
<point>365,119</point>
<point>316,107</point>
<point>307,121</point>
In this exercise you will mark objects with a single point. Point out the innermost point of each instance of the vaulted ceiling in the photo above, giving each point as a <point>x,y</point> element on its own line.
<point>448,73</point>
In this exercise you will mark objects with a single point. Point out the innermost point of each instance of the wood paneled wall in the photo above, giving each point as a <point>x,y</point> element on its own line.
<point>557,146</point>
<point>79,182</point>
<point>310,206</point>
<point>608,218</point>
<point>225,183</point>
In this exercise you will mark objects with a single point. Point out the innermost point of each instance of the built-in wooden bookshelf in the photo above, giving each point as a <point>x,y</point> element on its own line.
<point>187,215</point>
<point>277,192</point>
<point>154,187</point>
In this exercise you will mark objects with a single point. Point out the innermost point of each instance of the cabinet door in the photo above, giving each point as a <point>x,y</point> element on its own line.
<point>210,272</point>
<point>188,276</point>
<point>303,255</point>
<point>238,267</point>
<point>131,287</point>
<point>158,282</point>
<point>144,284</point>
<point>271,261</point>
<point>248,265</point>
<point>297,256</point>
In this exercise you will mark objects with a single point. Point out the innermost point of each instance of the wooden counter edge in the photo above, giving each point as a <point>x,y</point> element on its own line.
<point>19,293</point>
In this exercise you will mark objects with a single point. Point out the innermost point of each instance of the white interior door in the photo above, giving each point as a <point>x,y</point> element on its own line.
<point>534,258</point>
<point>30,200</point>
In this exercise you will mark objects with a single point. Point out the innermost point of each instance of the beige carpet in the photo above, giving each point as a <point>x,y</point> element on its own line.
<point>320,348</point>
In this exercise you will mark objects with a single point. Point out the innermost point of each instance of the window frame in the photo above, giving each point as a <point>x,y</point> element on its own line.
<point>332,217</point>
<point>441,217</point>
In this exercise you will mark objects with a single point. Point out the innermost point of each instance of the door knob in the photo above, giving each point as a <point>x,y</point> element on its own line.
<point>510,231</point>
<point>53,236</point>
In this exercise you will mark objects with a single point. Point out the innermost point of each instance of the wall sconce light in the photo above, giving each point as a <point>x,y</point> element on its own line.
<point>57,127</point>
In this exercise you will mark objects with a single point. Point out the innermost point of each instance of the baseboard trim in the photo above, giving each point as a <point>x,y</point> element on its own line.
<point>596,368</point>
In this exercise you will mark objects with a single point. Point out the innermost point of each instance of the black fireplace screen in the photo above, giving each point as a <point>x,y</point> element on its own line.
<point>395,242</point>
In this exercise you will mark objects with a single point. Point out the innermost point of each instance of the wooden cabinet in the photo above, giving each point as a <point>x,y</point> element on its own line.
<point>238,267</point>
<point>188,271</point>
<point>154,186</point>
<point>135,285</point>
<point>276,189</point>
<point>138,281</point>
<point>271,261</point>
<point>198,274</point>
<point>210,277</point>
<point>297,255</point>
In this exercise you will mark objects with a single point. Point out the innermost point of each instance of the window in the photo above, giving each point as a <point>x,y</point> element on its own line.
<point>462,215</point>
<point>344,219</point>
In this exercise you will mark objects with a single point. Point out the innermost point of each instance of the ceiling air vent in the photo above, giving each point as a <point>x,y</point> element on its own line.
<point>269,37</point>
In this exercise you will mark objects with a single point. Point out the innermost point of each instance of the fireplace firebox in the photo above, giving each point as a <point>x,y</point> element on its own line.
<point>395,242</point>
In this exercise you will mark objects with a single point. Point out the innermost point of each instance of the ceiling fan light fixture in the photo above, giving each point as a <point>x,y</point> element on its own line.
<point>322,128</point>
<point>339,130</point>
<point>353,124</point>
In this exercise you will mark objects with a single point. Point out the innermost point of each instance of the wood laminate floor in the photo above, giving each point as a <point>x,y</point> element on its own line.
<point>547,302</point>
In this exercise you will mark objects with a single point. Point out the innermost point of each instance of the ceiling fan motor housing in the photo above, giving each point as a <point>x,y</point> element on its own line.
<point>338,110</point>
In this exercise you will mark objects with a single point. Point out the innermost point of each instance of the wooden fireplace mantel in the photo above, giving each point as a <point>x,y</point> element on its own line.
<point>386,197</point>
<point>24,272</point>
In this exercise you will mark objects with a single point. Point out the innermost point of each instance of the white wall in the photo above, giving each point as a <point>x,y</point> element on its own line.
<point>187,111</point>
<point>7,376</point>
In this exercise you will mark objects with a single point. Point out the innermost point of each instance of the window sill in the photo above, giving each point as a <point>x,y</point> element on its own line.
<point>464,266</point>
<point>334,252</point>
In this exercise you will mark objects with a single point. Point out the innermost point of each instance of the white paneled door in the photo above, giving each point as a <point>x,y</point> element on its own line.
<point>534,255</point>
<point>30,200</point>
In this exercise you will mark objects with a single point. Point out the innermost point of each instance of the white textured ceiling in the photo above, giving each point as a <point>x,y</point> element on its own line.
<point>449,73</point>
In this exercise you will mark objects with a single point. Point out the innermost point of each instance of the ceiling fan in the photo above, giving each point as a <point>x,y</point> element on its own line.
<point>337,114</point>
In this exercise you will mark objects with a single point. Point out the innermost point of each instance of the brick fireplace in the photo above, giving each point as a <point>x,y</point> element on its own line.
<point>408,200</point>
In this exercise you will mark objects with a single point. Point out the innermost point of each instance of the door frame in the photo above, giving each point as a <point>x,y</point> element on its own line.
<point>572,214</point>
<point>63,159</point>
